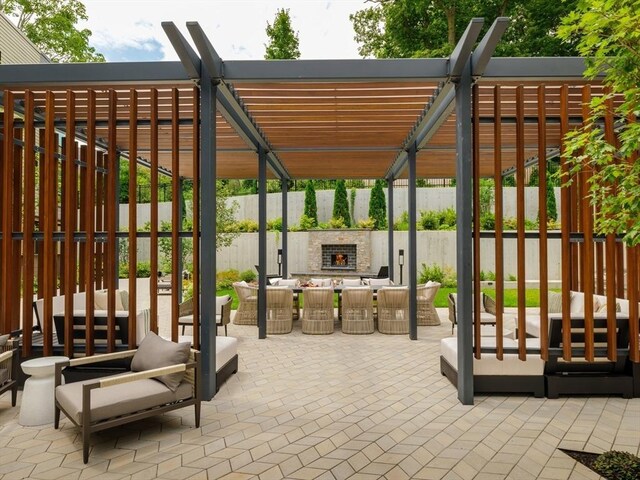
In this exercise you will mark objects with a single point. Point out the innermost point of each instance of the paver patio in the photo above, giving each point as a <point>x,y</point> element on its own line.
<point>337,406</point>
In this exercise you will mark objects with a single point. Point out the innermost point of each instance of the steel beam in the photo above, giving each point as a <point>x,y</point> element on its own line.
<point>535,69</point>
<point>208,236</point>
<point>187,55</point>
<point>413,245</point>
<point>484,51</point>
<point>463,49</point>
<point>464,245</point>
<point>390,251</point>
<point>262,243</point>
<point>285,228</point>
<point>209,57</point>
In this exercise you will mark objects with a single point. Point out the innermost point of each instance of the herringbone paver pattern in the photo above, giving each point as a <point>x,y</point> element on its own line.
<point>335,407</point>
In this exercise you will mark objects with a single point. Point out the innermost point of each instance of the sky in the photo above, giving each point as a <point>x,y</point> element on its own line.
<point>130,30</point>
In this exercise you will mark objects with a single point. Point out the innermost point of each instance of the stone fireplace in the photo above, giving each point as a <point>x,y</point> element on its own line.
<point>333,251</point>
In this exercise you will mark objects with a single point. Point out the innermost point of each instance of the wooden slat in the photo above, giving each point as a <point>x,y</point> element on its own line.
<point>499,242</point>
<point>111,179</point>
<point>153,281</point>
<point>610,254</point>
<point>89,212</point>
<point>70,213</point>
<point>6,303</point>
<point>133,215</point>
<point>542,213</point>
<point>99,220</point>
<point>16,284</point>
<point>633,261</point>
<point>520,214</point>
<point>476,225</point>
<point>587,249</point>
<point>82,248</point>
<point>196,217</point>
<point>565,208</point>
<point>175,217</point>
<point>29,220</point>
<point>49,249</point>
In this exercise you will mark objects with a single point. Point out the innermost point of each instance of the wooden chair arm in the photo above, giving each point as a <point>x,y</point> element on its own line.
<point>100,358</point>
<point>132,377</point>
<point>6,356</point>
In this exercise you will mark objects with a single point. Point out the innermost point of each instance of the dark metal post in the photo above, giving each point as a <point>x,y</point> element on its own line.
<point>463,235</point>
<point>262,243</point>
<point>412,244</point>
<point>285,227</point>
<point>208,237</point>
<point>390,254</point>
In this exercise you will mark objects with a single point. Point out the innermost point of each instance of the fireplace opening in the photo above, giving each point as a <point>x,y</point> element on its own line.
<point>339,257</point>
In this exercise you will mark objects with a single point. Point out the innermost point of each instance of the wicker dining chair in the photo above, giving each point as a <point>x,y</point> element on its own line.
<point>427,314</point>
<point>247,313</point>
<point>393,310</point>
<point>317,315</point>
<point>357,310</point>
<point>279,310</point>
<point>293,283</point>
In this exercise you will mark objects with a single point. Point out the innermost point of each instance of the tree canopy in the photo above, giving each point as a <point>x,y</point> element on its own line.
<point>608,35</point>
<point>283,41</point>
<point>52,26</point>
<point>431,28</point>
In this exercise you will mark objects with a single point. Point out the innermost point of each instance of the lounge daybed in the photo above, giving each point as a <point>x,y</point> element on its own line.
<point>164,376</point>
<point>226,359</point>
<point>490,375</point>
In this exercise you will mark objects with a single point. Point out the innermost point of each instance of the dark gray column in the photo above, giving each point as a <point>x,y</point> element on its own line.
<point>208,236</point>
<point>413,245</point>
<point>285,227</point>
<point>464,242</point>
<point>390,255</point>
<point>262,243</point>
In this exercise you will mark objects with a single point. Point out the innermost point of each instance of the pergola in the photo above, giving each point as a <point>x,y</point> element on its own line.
<point>468,116</point>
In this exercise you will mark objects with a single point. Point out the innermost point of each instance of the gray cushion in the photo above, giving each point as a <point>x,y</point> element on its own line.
<point>4,375</point>
<point>155,352</point>
<point>4,339</point>
<point>120,399</point>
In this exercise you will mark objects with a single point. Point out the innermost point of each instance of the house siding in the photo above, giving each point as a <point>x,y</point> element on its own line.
<point>15,48</point>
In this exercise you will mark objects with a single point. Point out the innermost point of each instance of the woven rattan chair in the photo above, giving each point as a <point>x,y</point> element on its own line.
<point>293,283</point>
<point>357,310</point>
<point>279,310</point>
<point>487,310</point>
<point>9,369</point>
<point>427,314</point>
<point>393,310</point>
<point>223,313</point>
<point>247,313</point>
<point>317,315</point>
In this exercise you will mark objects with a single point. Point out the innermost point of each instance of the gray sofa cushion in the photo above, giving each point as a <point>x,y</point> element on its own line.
<point>120,399</point>
<point>4,375</point>
<point>155,352</point>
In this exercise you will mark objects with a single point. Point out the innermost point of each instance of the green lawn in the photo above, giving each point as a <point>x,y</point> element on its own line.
<point>510,297</point>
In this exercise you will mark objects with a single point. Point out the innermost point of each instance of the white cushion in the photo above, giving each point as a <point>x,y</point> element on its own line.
<point>321,282</point>
<point>274,281</point>
<point>220,301</point>
<point>143,324</point>
<point>489,364</point>
<point>351,282</point>
<point>226,349</point>
<point>379,282</point>
<point>289,282</point>
<point>101,298</point>
<point>577,303</point>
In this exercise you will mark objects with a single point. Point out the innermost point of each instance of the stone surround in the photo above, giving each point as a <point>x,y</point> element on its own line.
<point>361,238</point>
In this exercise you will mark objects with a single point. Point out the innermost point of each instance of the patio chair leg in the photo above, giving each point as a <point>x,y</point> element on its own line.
<point>56,417</point>
<point>183,327</point>
<point>86,437</point>
<point>225,331</point>
<point>14,395</point>
<point>197,408</point>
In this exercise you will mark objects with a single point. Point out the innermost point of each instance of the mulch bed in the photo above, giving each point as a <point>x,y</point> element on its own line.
<point>585,458</point>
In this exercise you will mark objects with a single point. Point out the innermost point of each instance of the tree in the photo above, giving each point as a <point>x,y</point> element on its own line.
<point>52,26</point>
<point>310,208</point>
<point>378,206</point>
<point>431,28</point>
<point>341,203</point>
<point>608,35</point>
<point>283,41</point>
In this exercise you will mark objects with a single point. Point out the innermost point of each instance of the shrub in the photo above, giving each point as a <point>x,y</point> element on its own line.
<point>341,204</point>
<point>123,270</point>
<point>483,276</point>
<point>378,206</point>
<point>511,277</point>
<point>143,270</point>
<point>246,226</point>
<point>402,223</point>
<point>433,273</point>
<point>491,276</point>
<point>366,223</point>
<point>616,465</point>
<point>310,208</point>
<point>450,280</point>
<point>487,221</point>
<point>448,219</point>
<point>430,220</point>
<point>307,223</point>
<point>248,275</point>
<point>337,223</point>
<point>225,278</point>
<point>274,225</point>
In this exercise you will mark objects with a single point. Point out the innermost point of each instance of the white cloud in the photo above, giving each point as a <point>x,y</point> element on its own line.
<point>235,28</point>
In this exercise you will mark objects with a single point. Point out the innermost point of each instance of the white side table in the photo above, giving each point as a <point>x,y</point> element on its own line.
<point>38,404</point>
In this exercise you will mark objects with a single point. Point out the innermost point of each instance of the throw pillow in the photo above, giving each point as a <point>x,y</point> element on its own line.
<point>555,302</point>
<point>4,339</point>
<point>603,308</point>
<point>101,299</point>
<point>156,352</point>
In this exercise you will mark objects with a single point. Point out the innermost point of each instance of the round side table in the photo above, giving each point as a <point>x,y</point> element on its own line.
<point>38,398</point>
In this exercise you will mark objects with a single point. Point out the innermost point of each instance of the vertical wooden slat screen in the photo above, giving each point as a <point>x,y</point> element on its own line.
<point>111,179</point>
<point>133,215</point>
<point>69,224</point>
<point>29,220</point>
<point>82,249</point>
<point>542,209</point>
<point>153,284</point>
<point>90,212</point>
<point>49,249</point>
<point>7,213</point>
<point>499,242</point>
<point>520,209</point>
<point>476,221</point>
<point>196,216</point>
<point>14,321</point>
<point>565,208</point>
<point>99,200</point>
<point>175,210</point>
<point>587,249</point>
